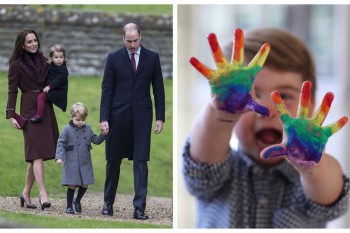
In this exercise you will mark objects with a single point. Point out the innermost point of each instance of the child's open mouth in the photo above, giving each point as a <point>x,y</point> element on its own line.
<point>268,137</point>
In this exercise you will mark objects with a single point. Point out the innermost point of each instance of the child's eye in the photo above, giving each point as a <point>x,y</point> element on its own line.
<point>285,96</point>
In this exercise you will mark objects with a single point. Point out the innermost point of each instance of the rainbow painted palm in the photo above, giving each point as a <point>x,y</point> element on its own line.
<point>232,83</point>
<point>306,137</point>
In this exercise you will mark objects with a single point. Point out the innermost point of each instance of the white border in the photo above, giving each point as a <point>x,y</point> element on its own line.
<point>173,2</point>
<point>176,153</point>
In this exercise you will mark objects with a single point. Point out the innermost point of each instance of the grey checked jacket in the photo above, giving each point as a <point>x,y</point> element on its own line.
<point>237,193</point>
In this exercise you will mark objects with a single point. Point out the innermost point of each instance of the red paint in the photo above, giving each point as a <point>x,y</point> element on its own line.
<point>215,48</point>
<point>239,44</point>
<point>327,102</point>
<point>213,41</point>
<point>306,94</point>
<point>194,62</point>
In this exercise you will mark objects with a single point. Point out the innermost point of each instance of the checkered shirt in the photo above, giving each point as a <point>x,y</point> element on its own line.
<point>237,193</point>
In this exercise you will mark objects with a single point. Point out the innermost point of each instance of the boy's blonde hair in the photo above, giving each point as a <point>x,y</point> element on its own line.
<point>79,110</point>
<point>288,53</point>
<point>57,48</point>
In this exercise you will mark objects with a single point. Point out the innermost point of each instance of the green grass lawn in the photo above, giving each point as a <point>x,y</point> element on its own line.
<point>30,221</point>
<point>88,91</point>
<point>152,9</point>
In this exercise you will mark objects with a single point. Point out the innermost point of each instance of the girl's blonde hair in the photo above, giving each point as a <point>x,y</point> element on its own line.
<point>57,48</point>
<point>79,110</point>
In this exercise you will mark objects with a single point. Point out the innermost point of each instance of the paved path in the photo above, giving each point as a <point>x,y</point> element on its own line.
<point>159,210</point>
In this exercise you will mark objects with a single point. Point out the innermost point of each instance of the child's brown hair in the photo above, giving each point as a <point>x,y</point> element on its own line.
<point>57,48</point>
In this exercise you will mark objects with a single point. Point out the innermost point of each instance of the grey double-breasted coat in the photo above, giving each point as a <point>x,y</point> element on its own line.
<point>73,147</point>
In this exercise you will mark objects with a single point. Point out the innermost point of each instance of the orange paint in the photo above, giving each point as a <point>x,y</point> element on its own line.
<point>200,67</point>
<point>342,121</point>
<point>263,49</point>
<point>276,97</point>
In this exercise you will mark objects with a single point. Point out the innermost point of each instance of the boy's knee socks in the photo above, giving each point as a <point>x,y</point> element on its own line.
<point>81,193</point>
<point>70,196</point>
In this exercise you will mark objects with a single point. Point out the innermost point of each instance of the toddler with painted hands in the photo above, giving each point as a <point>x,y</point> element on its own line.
<point>263,106</point>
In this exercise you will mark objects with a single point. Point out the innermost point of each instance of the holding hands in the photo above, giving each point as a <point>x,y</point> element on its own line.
<point>104,127</point>
<point>231,84</point>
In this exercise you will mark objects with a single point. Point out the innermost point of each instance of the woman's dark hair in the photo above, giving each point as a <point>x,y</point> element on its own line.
<point>21,37</point>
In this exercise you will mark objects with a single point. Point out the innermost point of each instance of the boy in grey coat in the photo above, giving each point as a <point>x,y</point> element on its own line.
<point>73,150</point>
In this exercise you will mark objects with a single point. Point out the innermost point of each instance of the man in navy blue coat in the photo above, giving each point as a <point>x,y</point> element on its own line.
<point>126,114</point>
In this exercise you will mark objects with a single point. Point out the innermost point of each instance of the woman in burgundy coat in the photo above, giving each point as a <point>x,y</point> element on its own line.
<point>27,72</point>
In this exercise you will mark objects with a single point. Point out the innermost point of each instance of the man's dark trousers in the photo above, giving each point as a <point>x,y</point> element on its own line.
<point>140,170</point>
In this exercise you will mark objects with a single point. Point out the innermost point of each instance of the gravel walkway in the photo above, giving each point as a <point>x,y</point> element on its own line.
<point>159,210</point>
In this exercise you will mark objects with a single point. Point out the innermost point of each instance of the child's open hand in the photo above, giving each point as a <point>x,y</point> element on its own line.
<point>304,138</point>
<point>59,161</point>
<point>46,89</point>
<point>231,84</point>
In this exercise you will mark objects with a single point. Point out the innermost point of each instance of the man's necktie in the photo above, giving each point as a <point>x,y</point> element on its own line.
<point>133,62</point>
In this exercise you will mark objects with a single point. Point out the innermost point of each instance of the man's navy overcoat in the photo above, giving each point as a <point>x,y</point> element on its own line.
<point>126,103</point>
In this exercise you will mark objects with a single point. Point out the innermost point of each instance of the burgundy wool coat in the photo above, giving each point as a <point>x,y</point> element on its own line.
<point>29,77</point>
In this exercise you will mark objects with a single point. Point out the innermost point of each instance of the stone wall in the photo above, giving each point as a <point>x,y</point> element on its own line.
<point>87,36</point>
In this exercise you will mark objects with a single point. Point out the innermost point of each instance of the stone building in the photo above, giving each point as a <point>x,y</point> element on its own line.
<point>87,36</point>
